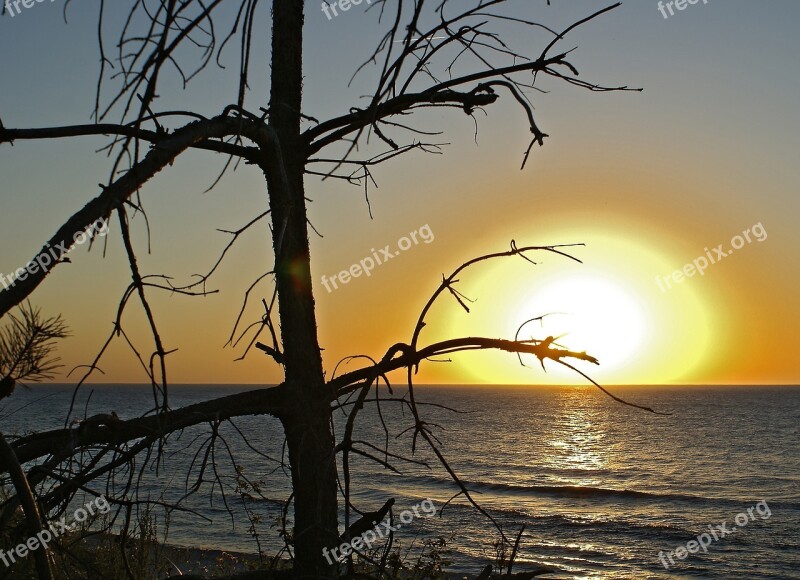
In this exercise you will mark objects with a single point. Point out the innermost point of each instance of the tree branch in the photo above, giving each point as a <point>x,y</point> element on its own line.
<point>28,502</point>
<point>270,401</point>
<point>114,195</point>
<point>11,135</point>
<point>410,357</point>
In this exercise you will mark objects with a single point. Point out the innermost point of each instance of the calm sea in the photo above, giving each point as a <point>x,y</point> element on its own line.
<point>600,487</point>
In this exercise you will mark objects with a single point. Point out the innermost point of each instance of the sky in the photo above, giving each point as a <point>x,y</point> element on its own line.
<point>651,183</point>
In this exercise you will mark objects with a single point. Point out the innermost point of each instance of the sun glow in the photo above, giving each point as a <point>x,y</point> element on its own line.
<point>598,315</point>
<point>609,306</point>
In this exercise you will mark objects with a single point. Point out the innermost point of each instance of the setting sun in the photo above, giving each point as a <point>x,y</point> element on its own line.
<point>608,305</point>
<point>598,315</point>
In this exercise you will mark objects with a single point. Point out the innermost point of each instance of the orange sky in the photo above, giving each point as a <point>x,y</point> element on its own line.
<point>646,180</point>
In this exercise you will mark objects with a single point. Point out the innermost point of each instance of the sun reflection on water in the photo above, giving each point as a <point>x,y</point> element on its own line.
<point>578,441</point>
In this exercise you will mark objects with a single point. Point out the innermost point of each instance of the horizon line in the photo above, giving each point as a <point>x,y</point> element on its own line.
<point>612,385</point>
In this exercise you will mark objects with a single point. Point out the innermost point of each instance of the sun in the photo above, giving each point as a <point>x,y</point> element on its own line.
<point>588,312</point>
<point>608,305</point>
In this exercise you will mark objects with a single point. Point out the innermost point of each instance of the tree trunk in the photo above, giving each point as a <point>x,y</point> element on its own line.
<point>29,507</point>
<point>307,420</point>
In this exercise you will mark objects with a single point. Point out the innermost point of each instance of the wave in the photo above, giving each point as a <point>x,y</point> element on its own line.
<point>627,494</point>
<point>573,491</point>
<point>580,491</point>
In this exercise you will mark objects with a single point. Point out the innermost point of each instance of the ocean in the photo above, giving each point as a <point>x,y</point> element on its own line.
<point>603,490</point>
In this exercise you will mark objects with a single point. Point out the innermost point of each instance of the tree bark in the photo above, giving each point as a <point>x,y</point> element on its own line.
<point>310,441</point>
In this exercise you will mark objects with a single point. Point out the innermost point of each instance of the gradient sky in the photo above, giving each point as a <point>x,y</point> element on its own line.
<point>646,180</point>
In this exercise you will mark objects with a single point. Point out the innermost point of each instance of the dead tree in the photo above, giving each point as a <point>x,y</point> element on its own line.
<point>414,67</point>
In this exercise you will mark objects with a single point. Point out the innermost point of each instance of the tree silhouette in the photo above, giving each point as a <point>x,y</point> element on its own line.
<point>415,66</point>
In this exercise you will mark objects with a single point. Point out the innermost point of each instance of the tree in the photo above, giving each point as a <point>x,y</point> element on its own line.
<point>423,42</point>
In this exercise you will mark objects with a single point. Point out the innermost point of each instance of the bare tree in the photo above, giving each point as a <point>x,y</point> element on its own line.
<point>444,54</point>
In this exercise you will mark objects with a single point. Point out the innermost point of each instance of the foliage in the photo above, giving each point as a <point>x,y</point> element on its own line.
<point>27,343</point>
